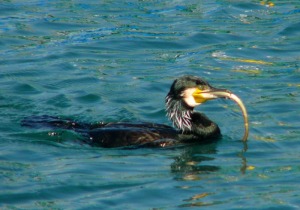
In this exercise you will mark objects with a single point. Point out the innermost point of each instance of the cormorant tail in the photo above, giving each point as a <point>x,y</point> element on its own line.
<point>46,121</point>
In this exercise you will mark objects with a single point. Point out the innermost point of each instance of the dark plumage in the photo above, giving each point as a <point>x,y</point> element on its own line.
<point>185,94</point>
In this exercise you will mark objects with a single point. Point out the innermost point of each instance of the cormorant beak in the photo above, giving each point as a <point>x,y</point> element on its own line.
<point>202,96</point>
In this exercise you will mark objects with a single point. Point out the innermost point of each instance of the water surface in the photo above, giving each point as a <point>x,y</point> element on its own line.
<point>115,61</point>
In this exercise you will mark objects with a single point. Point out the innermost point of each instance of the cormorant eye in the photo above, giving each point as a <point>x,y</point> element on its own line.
<point>198,82</point>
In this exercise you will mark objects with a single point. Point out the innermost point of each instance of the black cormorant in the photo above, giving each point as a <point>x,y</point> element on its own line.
<point>185,94</point>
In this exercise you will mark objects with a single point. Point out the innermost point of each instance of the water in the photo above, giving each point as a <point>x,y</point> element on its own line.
<point>115,61</point>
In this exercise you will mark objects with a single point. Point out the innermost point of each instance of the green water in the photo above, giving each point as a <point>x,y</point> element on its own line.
<point>115,61</point>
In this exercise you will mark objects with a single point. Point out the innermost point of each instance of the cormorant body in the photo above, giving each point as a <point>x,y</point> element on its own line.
<point>185,94</point>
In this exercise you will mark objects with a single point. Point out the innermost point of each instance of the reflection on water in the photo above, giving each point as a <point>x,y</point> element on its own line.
<point>194,161</point>
<point>194,165</point>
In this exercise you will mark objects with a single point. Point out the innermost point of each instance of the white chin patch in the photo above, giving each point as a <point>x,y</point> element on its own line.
<point>188,98</point>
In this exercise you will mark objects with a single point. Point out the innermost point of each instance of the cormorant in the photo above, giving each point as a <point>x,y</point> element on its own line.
<point>185,94</point>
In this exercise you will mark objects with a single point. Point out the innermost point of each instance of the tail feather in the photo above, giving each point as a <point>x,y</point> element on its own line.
<point>46,121</point>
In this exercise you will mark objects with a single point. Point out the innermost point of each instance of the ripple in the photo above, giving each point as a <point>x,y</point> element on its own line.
<point>89,98</point>
<point>60,100</point>
<point>25,89</point>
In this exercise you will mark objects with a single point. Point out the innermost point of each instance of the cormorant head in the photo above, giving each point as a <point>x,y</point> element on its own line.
<point>193,91</point>
<point>187,92</point>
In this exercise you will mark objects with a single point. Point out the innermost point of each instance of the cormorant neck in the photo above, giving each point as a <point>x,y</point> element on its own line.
<point>179,113</point>
<point>188,121</point>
